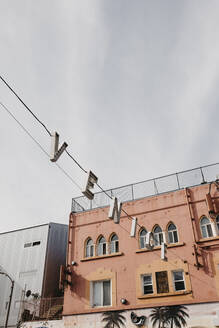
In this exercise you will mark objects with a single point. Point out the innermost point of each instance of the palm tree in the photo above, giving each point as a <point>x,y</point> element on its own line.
<point>175,315</point>
<point>113,319</point>
<point>158,317</point>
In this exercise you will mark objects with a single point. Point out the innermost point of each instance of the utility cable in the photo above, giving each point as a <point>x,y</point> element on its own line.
<point>39,145</point>
<point>19,98</point>
<point>76,162</point>
<point>39,121</point>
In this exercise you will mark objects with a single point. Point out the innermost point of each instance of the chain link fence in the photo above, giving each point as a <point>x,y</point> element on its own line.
<point>151,187</point>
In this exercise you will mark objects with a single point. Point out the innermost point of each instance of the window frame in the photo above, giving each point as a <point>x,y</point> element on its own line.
<point>158,236</point>
<point>171,232</point>
<point>142,238</point>
<point>158,286</point>
<point>88,248</point>
<point>205,227</point>
<point>100,247</point>
<point>143,284</point>
<point>175,281</point>
<point>114,244</point>
<point>92,283</point>
<point>217,223</point>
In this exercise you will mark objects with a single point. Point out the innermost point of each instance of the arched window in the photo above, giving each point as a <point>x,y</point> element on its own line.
<point>101,246</point>
<point>172,234</point>
<point>89,250</point>
<point>206,227</point>
<point>158,236</point>
<point>217,223</point>
<point>114,244</point>
<point>142,238</point>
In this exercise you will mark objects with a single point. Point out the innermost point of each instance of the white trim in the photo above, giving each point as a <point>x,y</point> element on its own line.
<point>142,283</point>
<point>101,293</point>
<point>174,281</point>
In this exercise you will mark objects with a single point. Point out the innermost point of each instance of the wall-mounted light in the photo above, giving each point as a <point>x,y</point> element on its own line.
<point>123,301</point>
<point>73,263</point>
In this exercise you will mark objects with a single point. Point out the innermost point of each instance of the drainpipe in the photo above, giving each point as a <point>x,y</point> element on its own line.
<point>190,214</point>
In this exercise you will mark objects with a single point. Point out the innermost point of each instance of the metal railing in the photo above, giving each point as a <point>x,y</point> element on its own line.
<point>151,187</point>
<point>51,308</point>
<point>42,309</point>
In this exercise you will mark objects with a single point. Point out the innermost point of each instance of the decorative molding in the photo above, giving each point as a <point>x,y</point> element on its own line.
<point>185,292</point>
<point>142,250</point>
<point>101,257</point>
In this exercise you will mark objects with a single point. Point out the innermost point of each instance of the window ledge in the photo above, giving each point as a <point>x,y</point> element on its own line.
<point>101,257</point>
<point>183,292</point>
<point>142,250</point>
<point>203,240</point>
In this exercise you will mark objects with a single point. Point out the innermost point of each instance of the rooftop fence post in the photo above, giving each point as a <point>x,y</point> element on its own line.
<point>177,178</point>
<point>155,188</point>
<point>203,178</point>
<point>132,192</point>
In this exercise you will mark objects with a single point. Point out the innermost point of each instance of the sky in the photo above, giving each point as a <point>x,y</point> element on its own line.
<point>131,86</point>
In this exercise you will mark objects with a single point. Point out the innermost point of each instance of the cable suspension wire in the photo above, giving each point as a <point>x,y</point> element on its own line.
<point>34,115</point>
<point>39,145</point>
<point>76,162</point>
<point>23,103</point>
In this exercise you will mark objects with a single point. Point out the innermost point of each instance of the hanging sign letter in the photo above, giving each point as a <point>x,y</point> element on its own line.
<point>163,252</point>
<point>91,180</point>
<point>115,210</point>
<point>55,152</point>
<point>149,240</point>
<point>133,227</point>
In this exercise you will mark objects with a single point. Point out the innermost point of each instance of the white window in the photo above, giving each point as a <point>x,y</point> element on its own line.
<point>217,223</point>
<point>172,234</point>
<point>147,284</point>
<point>158,236</point>
<point>100,293</point>
<point>206,227</point>
<point>178,280</point>
<point>142,236</point>
<point>101,246</point>
<point>89,252</point>
<point>114,244</point>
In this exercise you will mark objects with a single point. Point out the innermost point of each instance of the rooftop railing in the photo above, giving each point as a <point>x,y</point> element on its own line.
<point>151,187</point>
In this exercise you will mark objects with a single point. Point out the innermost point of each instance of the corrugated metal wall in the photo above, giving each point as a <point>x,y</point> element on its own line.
<point>32,258</point>
<point>25,265</point>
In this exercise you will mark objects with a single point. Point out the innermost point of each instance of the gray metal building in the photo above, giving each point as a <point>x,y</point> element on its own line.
<point>32,258</point>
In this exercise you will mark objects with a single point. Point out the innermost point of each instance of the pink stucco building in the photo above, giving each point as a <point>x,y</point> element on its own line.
<point>112,271</point>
